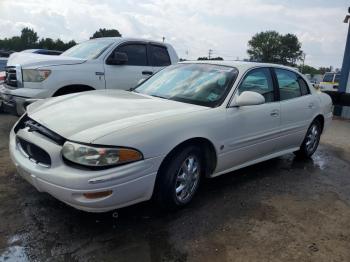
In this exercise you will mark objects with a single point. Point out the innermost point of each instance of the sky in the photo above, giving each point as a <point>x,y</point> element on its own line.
<point>191,26</point>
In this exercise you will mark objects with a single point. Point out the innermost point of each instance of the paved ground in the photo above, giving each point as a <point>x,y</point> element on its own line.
<point>280,210</point>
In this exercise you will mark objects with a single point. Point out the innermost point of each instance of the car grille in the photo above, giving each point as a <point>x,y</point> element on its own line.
<point>34,126</point>
<point>11,76</point>
<point>34,153</point>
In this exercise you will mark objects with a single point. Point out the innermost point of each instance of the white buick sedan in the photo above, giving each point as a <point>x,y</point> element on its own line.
<point>103,150</point>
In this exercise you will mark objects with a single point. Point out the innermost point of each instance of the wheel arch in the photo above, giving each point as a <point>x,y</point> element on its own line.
<point>205,145</point>
<point>320,118</point>
<point>69,89</point>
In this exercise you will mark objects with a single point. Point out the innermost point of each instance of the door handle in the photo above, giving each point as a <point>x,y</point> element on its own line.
<point>147,73</point>
<point>274,113</point>
<point>311,105</point>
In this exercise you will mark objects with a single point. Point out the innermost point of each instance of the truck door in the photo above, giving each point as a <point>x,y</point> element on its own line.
<point>128,75</point>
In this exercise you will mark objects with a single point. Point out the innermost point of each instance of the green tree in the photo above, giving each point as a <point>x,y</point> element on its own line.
<point>103,32</point>
<point>290,49</point>
<point>213,58</point>
<point>29,38</point>
<point>272,47</point>
<point>217,58</point>
<point>306,69</point>
<point>324,70</point>
<point>46,43</point>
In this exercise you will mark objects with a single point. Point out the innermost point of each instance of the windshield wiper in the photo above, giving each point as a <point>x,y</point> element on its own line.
<point>133,89</point>
<point>159,96</point>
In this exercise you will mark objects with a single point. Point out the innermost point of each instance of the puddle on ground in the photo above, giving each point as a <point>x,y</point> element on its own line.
<point>319,161</point>
<point>14,254</point>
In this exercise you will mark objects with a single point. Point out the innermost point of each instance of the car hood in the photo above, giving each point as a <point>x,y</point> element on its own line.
<point>87,116</point>
<point>30,60</point>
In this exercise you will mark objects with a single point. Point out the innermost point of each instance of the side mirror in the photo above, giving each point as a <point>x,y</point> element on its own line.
<point>249,98</point>
<point>117,58</point>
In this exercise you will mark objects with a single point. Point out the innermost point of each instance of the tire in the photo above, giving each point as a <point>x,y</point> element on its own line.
<point>311,140</point>
<point>178,181</point>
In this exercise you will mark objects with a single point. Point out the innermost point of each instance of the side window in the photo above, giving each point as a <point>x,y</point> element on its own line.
<point>137,54</point>
<point>303,86</point>
<point>159,56</point>
<point>258,80</point>
<point>288,83</point>
<point>337,78</point>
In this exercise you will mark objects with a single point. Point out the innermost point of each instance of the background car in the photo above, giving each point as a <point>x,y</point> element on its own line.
<point>110,62</point>
<point>3,62</point>
<point>102,150</point>
<point>330,82</point>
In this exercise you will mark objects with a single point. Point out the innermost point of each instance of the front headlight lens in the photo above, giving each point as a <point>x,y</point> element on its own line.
<point>35,75</point>
<point>99,156</point>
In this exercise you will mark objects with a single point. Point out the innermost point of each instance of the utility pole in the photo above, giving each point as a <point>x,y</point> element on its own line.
<point>302,69</point>
<point>163,39</point>
<point>344,83</point>
<point>209,53</point>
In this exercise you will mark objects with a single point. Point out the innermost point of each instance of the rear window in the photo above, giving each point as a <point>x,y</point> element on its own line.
<point>159,56</point>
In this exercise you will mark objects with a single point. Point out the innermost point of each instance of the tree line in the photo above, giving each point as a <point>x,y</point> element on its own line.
<point>29,39</point>
<point>268,47</point>
<point>273,47</point>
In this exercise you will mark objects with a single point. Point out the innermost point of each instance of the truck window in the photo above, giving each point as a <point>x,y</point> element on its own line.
<point>337,78</point>
<point>328,78</point>
<point>159,56</point>
<point>137,54</point>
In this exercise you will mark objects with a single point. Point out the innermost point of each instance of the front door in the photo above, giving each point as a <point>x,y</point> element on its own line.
<point>254,128</point>
<point>128,75</point>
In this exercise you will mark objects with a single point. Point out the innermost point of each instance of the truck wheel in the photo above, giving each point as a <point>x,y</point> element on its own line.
<point>72,89</point>
<point>178,181</point>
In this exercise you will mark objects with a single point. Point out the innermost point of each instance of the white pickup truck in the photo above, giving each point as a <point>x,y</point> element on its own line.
<point>111,62</point>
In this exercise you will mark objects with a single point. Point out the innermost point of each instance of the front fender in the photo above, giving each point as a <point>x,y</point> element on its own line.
<point>158,138</point>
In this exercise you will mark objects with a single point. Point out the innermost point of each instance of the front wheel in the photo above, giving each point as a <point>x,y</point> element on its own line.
<point>311,140</point>
<point>178,180</point>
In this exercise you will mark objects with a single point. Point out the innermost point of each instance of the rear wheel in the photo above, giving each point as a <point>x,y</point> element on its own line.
<point>311,140</point>
<point>178,180</point>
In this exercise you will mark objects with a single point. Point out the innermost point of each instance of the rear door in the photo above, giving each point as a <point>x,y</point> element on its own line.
<point>298,107</point>
<point>128,75</point>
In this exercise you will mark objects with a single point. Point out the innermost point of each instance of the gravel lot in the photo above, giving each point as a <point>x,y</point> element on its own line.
<point>284,209</point>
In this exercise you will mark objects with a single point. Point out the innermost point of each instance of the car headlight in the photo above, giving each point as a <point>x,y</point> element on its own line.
<point>92,156</point>
<point>35,75</point>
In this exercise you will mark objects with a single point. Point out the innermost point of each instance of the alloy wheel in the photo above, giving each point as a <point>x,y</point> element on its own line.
<point>312,138</point>
<point>187,179</point>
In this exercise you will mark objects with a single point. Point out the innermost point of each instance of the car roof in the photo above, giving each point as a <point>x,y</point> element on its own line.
<point>240,65</point>
<point>128,39</point>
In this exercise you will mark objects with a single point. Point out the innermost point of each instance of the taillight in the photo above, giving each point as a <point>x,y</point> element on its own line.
<point>2,77</point>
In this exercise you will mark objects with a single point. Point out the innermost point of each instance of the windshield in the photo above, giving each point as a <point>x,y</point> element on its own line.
<point>328,78</point>
<point>200,84</point>
<point>89,49</point>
